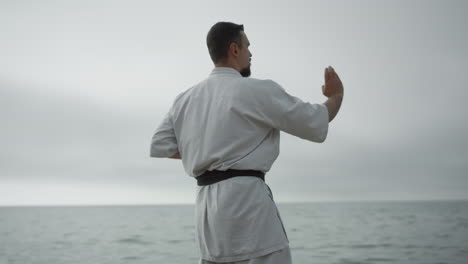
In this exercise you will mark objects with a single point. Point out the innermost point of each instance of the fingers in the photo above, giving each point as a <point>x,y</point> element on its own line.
<point>329,73</point>
<point>332,73</point>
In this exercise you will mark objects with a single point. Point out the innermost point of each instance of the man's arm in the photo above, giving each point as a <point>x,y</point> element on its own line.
<point>164,142</point>
<point>333,89</point>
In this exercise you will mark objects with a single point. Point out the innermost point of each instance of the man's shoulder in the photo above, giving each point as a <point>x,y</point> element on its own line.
<point>189,91</point>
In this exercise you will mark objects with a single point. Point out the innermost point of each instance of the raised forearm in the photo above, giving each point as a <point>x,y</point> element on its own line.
<point>333,104</point>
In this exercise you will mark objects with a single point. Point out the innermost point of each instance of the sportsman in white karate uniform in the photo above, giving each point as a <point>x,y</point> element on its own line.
<point>226,131</point>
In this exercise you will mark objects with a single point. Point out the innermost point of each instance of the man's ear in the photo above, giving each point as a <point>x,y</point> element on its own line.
<point>234,49</point>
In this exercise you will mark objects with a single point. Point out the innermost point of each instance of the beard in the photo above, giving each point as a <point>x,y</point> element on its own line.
<point>245,72</point>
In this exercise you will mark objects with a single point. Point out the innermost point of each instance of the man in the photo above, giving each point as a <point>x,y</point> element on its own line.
<point>226,130</point>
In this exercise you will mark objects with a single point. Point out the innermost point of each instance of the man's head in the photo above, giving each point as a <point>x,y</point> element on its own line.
<point>229,47</point>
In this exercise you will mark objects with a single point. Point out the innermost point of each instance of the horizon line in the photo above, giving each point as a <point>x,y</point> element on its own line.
<point>193,203</point>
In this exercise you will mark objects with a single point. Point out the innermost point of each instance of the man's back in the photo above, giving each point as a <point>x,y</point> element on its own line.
<point>224,128</point>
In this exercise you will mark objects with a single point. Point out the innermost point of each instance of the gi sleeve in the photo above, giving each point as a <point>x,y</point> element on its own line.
<point>164,142</point>
<point>294,116</point>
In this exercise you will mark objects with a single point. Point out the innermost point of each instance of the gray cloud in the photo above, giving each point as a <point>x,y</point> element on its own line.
<point>82,87</point>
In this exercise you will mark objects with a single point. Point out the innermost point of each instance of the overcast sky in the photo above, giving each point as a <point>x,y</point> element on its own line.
<point>84,84</point>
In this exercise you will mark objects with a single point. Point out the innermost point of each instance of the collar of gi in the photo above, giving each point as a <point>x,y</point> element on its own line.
<point>225,70</point>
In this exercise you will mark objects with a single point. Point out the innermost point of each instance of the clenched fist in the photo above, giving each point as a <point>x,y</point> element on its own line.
<point>333,85</point>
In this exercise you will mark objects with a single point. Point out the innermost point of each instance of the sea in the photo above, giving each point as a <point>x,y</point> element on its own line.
<point>400,232</point>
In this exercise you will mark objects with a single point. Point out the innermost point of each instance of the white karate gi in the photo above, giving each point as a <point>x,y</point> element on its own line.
<point>231,122</point>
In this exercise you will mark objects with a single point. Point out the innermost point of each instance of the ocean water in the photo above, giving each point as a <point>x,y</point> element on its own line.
<point>353,232</point>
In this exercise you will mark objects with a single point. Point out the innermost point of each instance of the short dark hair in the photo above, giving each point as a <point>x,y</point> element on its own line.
<point>220,36</point>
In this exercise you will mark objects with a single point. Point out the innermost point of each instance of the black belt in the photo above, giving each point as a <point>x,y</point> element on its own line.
<point>210,177</point>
